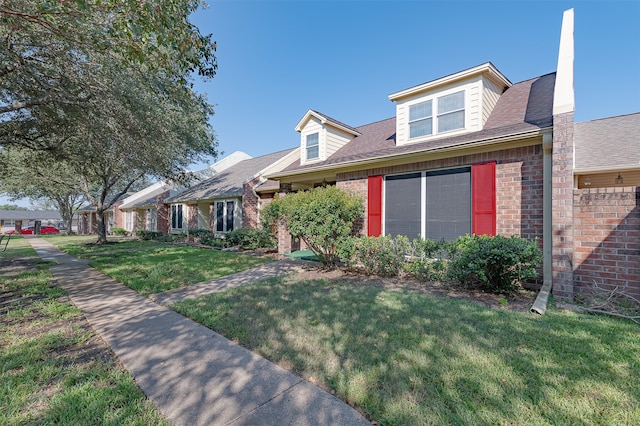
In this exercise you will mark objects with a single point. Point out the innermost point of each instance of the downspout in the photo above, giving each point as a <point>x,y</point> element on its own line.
<point>540,304</point>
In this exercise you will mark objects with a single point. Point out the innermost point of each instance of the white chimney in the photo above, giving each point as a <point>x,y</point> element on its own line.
<point>563,96</point>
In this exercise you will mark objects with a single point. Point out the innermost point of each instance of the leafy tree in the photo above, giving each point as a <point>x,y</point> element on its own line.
<point>11,207</point>
<point>51,49</point>
<point>322,217</point>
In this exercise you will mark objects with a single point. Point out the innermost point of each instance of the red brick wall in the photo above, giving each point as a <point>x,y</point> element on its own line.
<point>519,181</point>
<point>192,214</point>
<point>607,238</point>
<point>162,221</point>
<point>118,215</point>
<point>250,208</point>
<point>562,201</point>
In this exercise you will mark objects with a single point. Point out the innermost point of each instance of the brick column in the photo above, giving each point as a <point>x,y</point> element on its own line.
<point>284,237</point>
<point>562,202</point>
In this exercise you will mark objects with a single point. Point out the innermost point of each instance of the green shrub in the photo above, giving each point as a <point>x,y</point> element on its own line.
<point>494,264</point>
<point>172,238</point>
<point>119,231</point>
<point>199,233</point>
<point>428,259</point>
<point>250,238</point>
<point>213,241</point>
<point>322,217</point>
<point>148,235</point>
<point>383,256</point>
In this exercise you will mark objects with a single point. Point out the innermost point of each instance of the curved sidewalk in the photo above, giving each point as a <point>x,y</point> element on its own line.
<point>192,374</point>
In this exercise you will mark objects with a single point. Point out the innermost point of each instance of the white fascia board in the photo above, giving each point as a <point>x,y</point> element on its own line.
<point>149,190</point>
<point>323,120</point>
<point>277,165</point>
<point>610,169</point>
<point>486,68</point>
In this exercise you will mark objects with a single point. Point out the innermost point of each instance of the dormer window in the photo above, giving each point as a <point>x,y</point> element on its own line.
<point>451,112</point>
<point>313,147</point>
<point>420,119</point>
<point>450,115</point>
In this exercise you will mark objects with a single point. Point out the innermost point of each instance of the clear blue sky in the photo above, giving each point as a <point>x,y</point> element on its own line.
<point>277,59</point>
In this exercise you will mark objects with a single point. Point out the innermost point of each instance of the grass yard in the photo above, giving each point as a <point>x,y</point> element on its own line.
<point>408,358</point>
<point>151,267</point>
<point>84,245</point>
<point>53,368</point>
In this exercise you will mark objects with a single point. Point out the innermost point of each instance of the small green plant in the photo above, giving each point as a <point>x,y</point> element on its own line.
<point>120,232</point>
<point>213,241</point>
<point>199,233</point>
<point>495,264</point>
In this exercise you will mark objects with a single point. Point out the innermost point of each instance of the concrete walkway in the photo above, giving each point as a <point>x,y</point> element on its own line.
<point>193,375</point>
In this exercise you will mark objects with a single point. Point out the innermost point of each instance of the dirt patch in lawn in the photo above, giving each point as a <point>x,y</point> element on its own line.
<point>520,301</point>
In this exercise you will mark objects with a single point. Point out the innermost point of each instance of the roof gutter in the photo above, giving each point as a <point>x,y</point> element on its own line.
<point>449,148</point>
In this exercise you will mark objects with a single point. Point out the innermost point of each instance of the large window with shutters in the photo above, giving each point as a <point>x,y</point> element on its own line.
<point>442,204</point>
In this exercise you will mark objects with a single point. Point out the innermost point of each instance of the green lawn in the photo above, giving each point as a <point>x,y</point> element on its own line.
<point>18,247</point>
<point>151,267</point>
<point>406,358</point>
<point>53,368</point>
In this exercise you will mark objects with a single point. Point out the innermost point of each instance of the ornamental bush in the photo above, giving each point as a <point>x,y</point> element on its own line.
<point>384,256</point>
<point>250,239</point>
<point>322,217</point>
<point>495,264</point>
<point>119,231</point>
<point>148,235</point>
<point>428,259</point>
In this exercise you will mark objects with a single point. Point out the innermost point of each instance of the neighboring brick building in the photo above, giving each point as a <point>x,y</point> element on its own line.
<point>231,198</point>
<point>473,153</point>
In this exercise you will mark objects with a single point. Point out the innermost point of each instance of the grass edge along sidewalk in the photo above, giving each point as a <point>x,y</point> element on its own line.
<point>53,367</point>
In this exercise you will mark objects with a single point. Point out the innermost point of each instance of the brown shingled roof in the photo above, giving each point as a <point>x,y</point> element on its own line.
<point>525,106</point>
<point>608,143</point>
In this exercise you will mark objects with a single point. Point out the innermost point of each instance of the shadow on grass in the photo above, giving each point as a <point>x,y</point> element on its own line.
<point>406,358</point>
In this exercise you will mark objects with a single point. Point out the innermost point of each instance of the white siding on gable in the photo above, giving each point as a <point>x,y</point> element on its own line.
<point>336,139</point>
<point>490,95</point>
<point>474,107</point>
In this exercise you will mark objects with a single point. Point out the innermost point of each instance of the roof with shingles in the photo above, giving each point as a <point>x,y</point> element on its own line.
<point>608,143</point>
<point>29,215</point>
<point>523,107</point>
<point>228,183</point>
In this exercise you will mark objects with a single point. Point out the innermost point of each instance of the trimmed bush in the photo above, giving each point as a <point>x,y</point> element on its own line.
<point>495,264</point>
<point>148,235</point>
<point>213,241</point>
<point>119,231</point>
<point>250,239</point>
<point>384,256</point>
<point>322,217</point>
<point>428,259</point>
<point>199,233</point>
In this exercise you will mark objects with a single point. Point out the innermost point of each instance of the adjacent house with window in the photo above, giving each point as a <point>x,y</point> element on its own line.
<point>230,199</point>
<point>474,153</point>
<point>147,210</point>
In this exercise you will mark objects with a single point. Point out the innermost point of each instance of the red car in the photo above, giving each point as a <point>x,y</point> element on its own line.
<point>46,229</point>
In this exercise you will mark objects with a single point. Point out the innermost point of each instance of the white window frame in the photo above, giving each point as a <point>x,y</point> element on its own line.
<point>316,145</point>
<point>436,114</point>
<point>128,220</point>
<point>152,220</point>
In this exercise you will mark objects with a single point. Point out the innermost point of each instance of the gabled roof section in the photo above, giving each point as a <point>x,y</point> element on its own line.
<point>229,182</point>
<point>326,120</point>
<point>523,110</point>
<point>487,69</point>
<point>608,144</point>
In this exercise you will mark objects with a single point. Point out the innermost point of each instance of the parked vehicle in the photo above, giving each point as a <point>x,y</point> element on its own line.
<point>46,229</point>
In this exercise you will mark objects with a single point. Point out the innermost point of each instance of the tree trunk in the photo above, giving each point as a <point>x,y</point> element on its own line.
<point>101,227</point>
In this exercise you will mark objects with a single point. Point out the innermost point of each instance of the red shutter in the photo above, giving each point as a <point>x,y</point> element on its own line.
<point>483,198</point>
<point>374,206</point>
